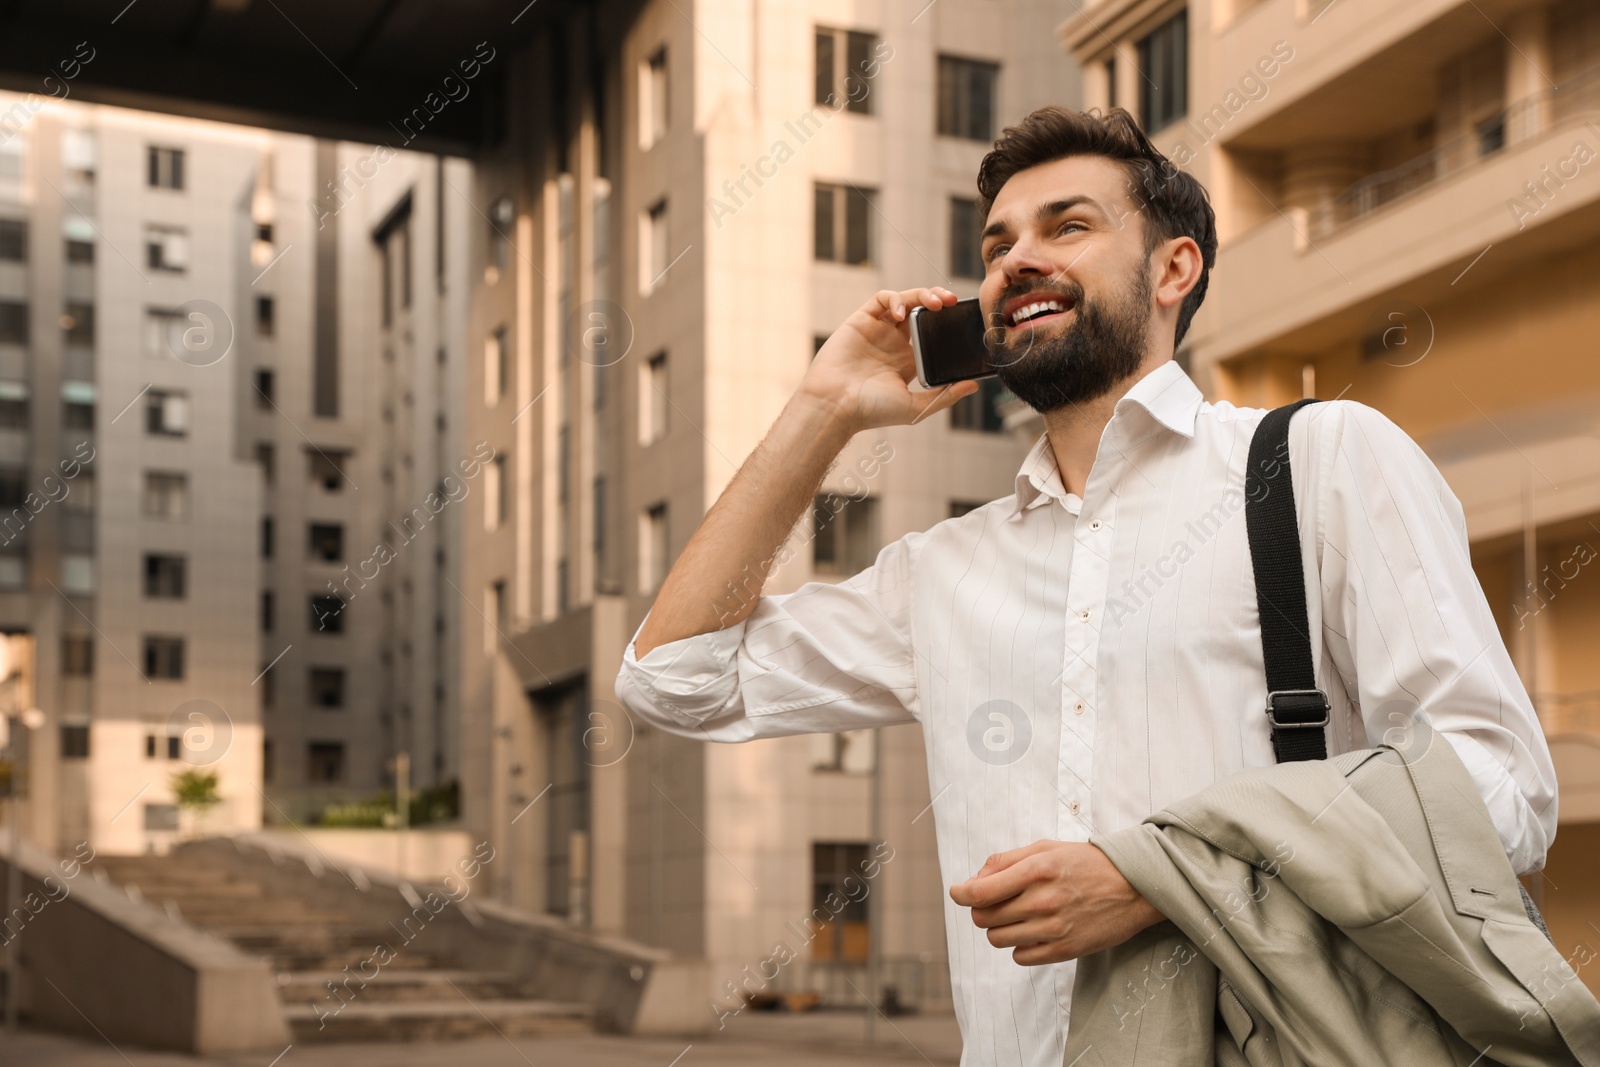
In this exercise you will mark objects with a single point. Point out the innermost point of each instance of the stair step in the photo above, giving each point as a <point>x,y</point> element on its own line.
<point>390,986</point>
<point>436,1019</point>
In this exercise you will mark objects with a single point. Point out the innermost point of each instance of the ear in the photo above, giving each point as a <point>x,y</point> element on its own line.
<point>1176,267</point>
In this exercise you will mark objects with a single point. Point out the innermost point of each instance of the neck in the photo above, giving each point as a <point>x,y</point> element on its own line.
<point>1075,429</point>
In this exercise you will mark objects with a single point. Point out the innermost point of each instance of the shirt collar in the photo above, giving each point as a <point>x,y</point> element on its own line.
<point>1167,395</point>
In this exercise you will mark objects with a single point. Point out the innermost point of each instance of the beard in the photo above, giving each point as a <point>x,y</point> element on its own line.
<point>1102,346</point>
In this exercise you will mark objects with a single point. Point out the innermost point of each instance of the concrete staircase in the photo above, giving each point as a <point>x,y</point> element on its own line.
<point>344,975</point>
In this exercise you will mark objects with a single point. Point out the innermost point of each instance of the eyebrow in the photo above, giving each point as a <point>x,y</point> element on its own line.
<point>1045,211</point>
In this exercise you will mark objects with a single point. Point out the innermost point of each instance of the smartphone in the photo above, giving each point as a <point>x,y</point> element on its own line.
<point>949,344</point>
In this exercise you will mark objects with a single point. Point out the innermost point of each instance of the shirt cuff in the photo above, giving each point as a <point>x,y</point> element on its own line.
<point>1522,832</point>
<point>686,680</point>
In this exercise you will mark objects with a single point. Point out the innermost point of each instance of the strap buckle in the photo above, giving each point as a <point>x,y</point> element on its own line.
<point>1297,702</point>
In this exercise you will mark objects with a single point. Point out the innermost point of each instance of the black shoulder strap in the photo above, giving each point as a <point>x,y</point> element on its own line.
<point>1296,708</point>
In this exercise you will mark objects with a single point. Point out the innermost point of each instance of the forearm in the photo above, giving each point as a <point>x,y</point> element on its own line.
<point>717,579</point>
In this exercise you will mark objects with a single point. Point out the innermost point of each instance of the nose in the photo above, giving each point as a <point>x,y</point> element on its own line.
<point>1025,259</point>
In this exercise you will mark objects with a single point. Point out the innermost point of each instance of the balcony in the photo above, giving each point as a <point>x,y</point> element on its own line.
<point>1420,224</point>
<point>1578,98</point>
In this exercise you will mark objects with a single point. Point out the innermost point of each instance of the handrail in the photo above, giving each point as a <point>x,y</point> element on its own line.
<point>1512,125</point>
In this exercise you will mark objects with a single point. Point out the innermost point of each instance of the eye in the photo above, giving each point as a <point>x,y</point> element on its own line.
<point>995,253</point>
<point>1071,224</point>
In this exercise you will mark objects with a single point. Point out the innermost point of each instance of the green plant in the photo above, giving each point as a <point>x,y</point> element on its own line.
<point>195,789</point>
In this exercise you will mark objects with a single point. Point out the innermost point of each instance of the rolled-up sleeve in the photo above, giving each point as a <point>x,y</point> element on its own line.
<point>1407,625</point>
<point>826,657</point>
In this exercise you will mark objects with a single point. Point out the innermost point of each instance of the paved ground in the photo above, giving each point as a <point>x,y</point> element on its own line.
<point>817,1039</point>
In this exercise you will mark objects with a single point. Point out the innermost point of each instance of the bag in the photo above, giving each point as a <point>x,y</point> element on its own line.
<point>1296,708</point>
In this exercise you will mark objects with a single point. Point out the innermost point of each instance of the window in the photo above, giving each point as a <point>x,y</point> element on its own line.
<point>77,323</point>
<point>74,740</point>
<point>165,576</point>
<point>844,533</point>
<point>264,232</point>
<point>653,403</point>
<point>268,610</point>
<point>77,415</point>
<point>14,240</point>
<point>165,168</point>
<point>959,508</point>
<point>77,655</point>
<point>163,657</point>
<point>80,251</point>
<point>327,614</point>
<point>496,375</point>
<point>841,224</point>
<point>162,745</point>
<point>269,686</point>
<point>77,574</point>
<point>599,542</point>
<point>166,495</point>
<point>327,541</point>
<point>563,462</point>
<point>838,873</point>
<point>501,217</point>
<point>653,99</point>
<point>264,388</point>
<point>267,460</point>
<point>966,257</point>
<point>967,98</point>
<point>13,570</point>
<point>14,405</point>
<point>981,410</point>
<point>327,687</point>
<point>163,330</point>
<point>494,609</point>
<point>161,816</point>
<point>268,764</point>
<point>166,248</point>
<point>494,494</point>
<point>1491,133</point>
<point>266,316</point>
<point>325,761</point>
<point>653,548</point>
<point>166,413</point>
<point>327,468</point>
<point>845,68</point>
<point>653,255</point>
<point>13,322</point>
<point>1164,64</point>
<point>267,530</point>
<point>80,498</point>
<point>1111,83</point>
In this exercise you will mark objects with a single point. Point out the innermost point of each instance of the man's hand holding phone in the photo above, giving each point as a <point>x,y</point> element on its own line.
<point>859,380</point>
<point>862,375</point>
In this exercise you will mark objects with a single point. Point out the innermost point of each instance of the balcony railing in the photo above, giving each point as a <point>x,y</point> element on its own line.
<point>1523,120</point>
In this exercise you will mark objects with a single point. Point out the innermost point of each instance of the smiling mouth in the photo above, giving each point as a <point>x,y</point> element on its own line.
<point>1039,312</point>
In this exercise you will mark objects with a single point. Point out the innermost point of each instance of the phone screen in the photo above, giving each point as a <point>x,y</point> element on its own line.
<point>949,343</point>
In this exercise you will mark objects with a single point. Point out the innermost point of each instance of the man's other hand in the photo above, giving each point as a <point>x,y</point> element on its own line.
<point>1053,901</point>
<point>862,374</point>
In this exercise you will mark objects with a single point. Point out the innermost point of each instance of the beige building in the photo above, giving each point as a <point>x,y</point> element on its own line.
<point>211,412</point>
<point>713,190</point>
<point>1407,199</point>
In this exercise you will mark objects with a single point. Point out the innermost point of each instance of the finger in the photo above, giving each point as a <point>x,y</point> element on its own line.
<point>886,305</point>
<point>1024,934</point>
<point>1000,860</point>
<point>1002,885</point>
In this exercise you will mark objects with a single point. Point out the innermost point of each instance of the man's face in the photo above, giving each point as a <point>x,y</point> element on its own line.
<point>1067,295</point>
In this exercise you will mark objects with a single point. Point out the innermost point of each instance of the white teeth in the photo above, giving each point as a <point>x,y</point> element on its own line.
<point>1022,314</point>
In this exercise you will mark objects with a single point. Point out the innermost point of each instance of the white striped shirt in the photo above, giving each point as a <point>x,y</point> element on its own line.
<point>1078,664</point>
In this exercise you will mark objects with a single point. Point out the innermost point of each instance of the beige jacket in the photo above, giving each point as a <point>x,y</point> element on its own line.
<point>1358,910</point>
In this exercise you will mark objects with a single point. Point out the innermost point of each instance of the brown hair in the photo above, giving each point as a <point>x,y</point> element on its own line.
<point>1172,202</point>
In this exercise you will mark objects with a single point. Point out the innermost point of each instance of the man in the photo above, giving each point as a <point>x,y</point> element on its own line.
<point>1086,650</point>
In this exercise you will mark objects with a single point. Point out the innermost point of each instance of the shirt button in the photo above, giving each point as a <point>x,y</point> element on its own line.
<point>1084,614</point>
<point>1096,524</point>
<point>1073,807</point>
<point>1077,708</point>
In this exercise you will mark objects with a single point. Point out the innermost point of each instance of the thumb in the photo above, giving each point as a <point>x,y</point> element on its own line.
<point>931,401</point>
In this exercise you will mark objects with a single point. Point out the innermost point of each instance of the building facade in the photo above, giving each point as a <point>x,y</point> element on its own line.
<point>197,371</point>
<point>677,220</point>
<point>1406,206</point>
